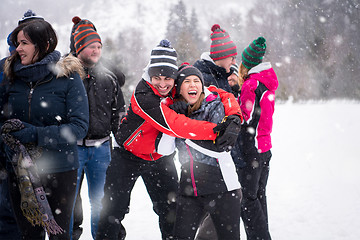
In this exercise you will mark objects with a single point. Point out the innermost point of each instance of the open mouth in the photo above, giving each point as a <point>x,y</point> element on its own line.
<point>162,89</point>
<point>192,93</point>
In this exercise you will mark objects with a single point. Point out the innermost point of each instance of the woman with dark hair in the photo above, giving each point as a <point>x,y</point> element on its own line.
<point>44,111</point>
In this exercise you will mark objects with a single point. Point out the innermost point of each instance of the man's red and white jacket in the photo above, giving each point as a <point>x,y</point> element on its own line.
<point>149,114</point>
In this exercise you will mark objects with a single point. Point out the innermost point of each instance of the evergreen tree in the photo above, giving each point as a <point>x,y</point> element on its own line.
<point>195,33</point>
<point>314,45</point>
<point>177,22</point>
<point>184,34</point>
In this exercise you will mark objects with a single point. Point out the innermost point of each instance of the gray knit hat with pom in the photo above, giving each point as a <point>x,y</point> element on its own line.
<point>221,44</point>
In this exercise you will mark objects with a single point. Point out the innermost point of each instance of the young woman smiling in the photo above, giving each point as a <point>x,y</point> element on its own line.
<point>43,111</point>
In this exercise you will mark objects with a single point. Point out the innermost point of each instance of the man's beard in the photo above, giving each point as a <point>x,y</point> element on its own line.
<point>88,62</point>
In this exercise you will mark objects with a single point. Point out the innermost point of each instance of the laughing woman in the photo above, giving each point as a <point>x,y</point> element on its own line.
<point>44,110</point>
<point>209,182</point>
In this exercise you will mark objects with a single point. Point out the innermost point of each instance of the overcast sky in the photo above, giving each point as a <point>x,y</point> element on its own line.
<point>109,16</point>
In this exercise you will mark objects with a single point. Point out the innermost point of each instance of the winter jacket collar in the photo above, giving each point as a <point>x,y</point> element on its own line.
<point>206,56</point>
<point>264,74</point>
<point>261,67</point>
<point>38,70</point>
<point>211,67</point>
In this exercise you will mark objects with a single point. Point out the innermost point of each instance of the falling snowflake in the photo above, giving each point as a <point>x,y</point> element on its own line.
<point>44,104</point>
<point>57,211</point>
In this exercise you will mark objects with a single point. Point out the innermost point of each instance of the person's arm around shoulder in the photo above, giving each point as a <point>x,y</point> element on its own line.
<point>230,103</point>
<point>149,106</point>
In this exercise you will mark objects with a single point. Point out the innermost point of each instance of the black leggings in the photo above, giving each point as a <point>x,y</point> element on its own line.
<point>224,209</point>
<point>60,192</point>
<point>253,178</point>
<point>161,181</point>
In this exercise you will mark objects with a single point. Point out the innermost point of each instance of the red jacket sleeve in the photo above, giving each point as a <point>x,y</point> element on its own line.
<point>230,103</point>
<point>149,107</point>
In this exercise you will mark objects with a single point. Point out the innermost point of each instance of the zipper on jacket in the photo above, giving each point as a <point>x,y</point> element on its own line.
<point>29,100</point>
<point>133,138</point>
<point>32,88</point>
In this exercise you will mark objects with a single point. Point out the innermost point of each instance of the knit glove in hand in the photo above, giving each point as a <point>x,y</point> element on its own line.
<point>228,133</point>
<point>26,135</point>
<point>180,107</point>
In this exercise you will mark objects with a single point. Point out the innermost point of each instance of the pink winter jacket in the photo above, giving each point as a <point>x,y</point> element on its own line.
<point>257,105</point>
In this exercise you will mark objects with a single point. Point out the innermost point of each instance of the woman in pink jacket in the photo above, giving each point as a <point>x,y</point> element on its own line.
<point>257,105</point>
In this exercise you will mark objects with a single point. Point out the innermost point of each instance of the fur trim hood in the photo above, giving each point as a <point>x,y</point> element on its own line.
<point>68,65</point>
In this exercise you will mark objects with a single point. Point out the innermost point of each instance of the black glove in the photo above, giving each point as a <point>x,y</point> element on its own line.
<point>27,134</point>
<point>180,107</point>
<point>228,133</point>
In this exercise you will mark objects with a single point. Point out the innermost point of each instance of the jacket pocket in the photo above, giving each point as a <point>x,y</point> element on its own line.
<point>132,142</point>
<point>132,138</point>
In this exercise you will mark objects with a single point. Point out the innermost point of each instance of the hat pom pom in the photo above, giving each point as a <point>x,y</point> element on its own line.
<point>261,40</point>
<point>76,20</point>
<point>29,13</point>
<point>165,43</point>
<point>183,65</point>
<point>214,27</point>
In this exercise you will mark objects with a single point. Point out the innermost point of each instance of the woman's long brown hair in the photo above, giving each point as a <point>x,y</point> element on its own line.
<point>41,34</point>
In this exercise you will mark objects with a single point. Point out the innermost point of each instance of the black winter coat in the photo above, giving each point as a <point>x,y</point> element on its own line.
<point>106,101</point>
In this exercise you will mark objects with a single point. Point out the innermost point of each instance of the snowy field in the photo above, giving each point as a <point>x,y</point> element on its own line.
<point>313,189</point>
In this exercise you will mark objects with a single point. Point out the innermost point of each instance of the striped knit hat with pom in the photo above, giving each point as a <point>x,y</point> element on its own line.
<point>221,44</point>
<point>254,53</point>
<point>83,33</point>
<point>163,60</point>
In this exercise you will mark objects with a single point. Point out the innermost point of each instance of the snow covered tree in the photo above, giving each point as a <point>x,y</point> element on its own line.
<point>314,45</point>
<point>184,34</point>
<point>177,22</point>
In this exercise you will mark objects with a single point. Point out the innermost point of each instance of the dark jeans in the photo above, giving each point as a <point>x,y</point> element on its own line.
<point>224,209</point>
<point>253,178</point>
<point>8,226</point>
<point>161,181</point>
<point>60,191</point>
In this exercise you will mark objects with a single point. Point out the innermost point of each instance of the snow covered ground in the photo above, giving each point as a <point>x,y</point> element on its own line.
<point>313,188</point>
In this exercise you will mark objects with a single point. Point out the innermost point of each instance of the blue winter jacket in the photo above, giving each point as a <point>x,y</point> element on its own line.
<point>56,105</point>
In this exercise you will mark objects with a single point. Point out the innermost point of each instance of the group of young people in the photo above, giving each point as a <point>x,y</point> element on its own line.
<point>57,116</point>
